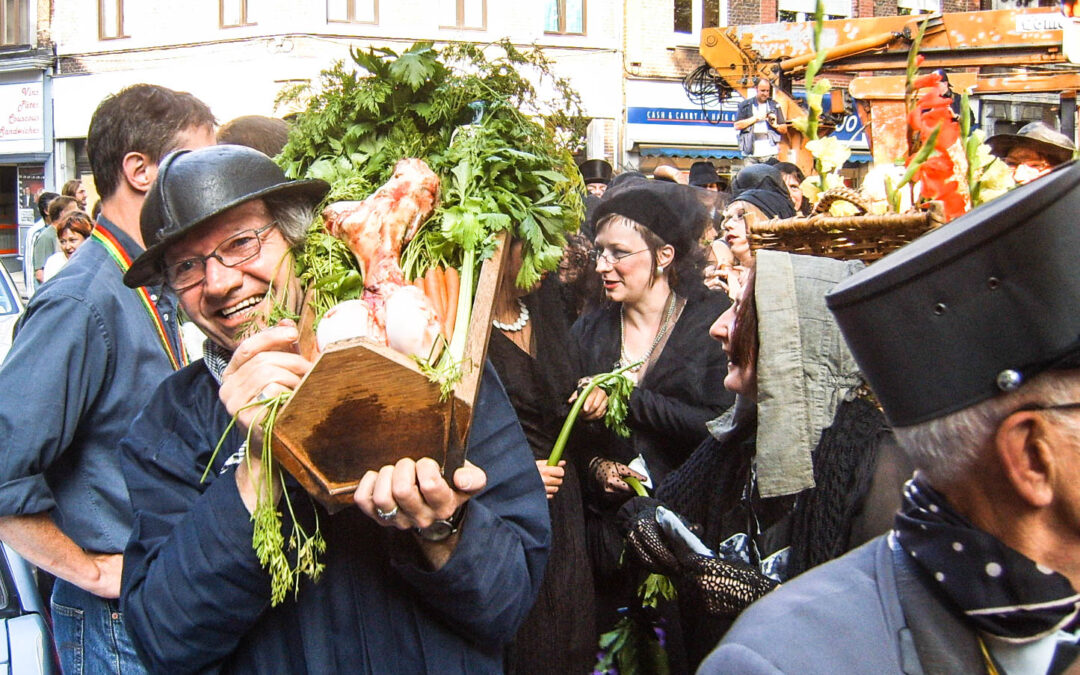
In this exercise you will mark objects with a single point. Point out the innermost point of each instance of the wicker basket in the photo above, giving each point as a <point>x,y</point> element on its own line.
<point>863,237</point>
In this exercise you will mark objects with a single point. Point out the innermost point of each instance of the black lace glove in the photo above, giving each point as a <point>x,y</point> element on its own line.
<point>607,478</point>
<point>715,586</point>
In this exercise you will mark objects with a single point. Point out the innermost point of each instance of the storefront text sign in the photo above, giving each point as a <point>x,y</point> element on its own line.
<point>22,118</point>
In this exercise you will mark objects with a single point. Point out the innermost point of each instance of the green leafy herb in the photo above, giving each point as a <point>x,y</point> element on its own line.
<point>618,388</point>
<point>267,539</point>
<point>472,113</point>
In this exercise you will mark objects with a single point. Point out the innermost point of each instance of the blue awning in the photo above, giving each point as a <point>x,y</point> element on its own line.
<point>709,153</point>
<point>860,158</point>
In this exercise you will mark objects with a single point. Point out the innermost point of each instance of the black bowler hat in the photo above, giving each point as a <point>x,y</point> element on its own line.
<point>972,309</point>
<point>671,211</point>
<point>193,186</point>
<point>703,173</point>
<point>595,171</point>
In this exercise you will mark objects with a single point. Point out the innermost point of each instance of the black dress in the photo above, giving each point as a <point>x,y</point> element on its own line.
<point>558,636</point>
<point>668,410</point>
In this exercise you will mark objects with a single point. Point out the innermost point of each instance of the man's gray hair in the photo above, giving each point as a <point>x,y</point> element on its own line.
<point>947,447</point>
<point>293,215</point>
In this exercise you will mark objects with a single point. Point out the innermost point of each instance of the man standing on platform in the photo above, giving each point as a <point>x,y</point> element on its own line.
<point>760,124</point>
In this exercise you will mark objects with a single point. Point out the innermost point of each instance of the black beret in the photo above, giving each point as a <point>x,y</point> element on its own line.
<point>973,308</point>
<point>669,210</point>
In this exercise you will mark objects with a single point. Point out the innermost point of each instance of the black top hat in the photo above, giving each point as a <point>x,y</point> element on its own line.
<point>703,173</point>
<point>595,171</point>
<point>972,309</point>
<point>1056,146</point>
<point>193,186</point>
<point>671,211</point>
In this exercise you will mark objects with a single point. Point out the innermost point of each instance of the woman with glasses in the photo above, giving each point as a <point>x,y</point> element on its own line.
<point>656,320</point>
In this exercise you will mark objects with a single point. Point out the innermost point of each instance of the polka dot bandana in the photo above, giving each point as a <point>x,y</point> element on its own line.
<point>998,589</point>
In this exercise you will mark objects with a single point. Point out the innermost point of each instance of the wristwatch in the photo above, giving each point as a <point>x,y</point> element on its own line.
<point>443,528</point>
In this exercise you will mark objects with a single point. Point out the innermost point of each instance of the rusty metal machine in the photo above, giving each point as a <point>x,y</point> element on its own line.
<point>999,51</point>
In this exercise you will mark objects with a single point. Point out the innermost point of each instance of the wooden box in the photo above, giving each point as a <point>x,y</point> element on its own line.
<point>363,406</point>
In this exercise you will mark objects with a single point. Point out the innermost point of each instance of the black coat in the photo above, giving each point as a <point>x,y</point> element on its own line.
<point>681,391</point>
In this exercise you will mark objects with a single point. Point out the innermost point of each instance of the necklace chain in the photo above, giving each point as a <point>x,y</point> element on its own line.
<point>665,325</point>
<point>523,318</point>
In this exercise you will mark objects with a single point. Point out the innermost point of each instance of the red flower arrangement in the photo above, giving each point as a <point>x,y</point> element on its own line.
<point>932,121</point>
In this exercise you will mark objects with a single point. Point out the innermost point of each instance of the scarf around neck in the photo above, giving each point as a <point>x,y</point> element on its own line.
<point>999,590</point>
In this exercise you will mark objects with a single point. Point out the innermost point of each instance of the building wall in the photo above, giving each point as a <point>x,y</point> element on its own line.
<point>241,70</point>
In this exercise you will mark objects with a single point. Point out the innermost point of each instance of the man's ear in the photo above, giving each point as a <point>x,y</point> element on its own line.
<point>139,171</point>
<point>1025,449</point>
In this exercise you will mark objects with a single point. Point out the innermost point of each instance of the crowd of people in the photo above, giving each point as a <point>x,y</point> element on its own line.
<point>836,467</point>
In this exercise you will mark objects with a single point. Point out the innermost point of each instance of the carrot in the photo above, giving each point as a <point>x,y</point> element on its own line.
<point>440,278</point>
<point>453,286</point>
<point>431,289</point>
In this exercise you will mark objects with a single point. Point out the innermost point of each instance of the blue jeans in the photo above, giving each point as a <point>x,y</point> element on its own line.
<point>89,633</point>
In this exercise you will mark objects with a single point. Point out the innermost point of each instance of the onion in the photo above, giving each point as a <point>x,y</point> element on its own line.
<point>349,319</point>
<point>412,326</point>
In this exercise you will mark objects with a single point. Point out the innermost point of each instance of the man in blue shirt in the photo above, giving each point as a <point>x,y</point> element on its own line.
<point>63,502</point>
<point>425,574</point>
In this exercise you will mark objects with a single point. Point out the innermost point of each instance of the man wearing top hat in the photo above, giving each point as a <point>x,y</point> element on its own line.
<point>1032,151</point>
<point>970,339</point>
<point>596,174</point>
<point>425,574</point>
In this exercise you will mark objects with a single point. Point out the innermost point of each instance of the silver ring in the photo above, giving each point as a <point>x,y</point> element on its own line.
<point>386,515</point>
<point>261,397</point>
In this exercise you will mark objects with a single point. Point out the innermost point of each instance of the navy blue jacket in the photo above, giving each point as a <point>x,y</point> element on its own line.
<point>196,599</point>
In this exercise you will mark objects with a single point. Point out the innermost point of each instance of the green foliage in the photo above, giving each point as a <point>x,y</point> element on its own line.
<point>473,114</point>
<point>621,386</point>
<point>655,588</point>
<point>635,644</point>
<point>328,270</point>
<point>267,539</point>
<point>618,388</point>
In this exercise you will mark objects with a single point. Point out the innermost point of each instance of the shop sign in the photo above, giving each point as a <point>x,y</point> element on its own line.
<point>22,118</point>
<point>680,116</point>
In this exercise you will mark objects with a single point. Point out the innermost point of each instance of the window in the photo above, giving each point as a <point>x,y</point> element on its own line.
<point>17,19</point>
<point>565,16</point>
<point>918,6</point>
<point>233,13</point>
<point>693,15</point>
<point>803,10</point>
<point>352,11</point>
<point>463,14</point>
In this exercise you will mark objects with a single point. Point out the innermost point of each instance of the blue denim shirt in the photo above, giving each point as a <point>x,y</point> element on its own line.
<point>85,358</point>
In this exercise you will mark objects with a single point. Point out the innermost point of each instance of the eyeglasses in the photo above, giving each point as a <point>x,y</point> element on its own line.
<point>236,250</point>
<point>596,255</point>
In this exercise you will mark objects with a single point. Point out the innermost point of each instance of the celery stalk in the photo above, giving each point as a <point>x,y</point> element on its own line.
<point>568,425</point>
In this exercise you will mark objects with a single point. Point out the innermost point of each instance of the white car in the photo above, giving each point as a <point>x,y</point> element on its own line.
<point>11,308</point>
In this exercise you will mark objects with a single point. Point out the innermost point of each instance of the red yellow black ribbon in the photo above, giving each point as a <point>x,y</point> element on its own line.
<point>123,261</point>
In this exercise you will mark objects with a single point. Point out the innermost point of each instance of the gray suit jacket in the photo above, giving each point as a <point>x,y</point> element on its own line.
<point>847,616</point>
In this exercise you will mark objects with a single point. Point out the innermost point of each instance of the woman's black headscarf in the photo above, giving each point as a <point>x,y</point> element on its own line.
<point>763,186</point>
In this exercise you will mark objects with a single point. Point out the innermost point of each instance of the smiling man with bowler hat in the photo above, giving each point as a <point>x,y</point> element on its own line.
<point>970,339</point>
<point>425,574</point>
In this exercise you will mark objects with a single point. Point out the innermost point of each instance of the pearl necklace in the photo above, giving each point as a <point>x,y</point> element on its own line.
<point>665,325</point>
<point>523,318</point>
